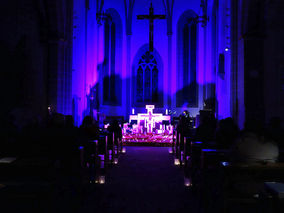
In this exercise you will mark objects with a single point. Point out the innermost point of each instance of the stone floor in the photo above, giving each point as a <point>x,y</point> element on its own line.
<point>145,180</point>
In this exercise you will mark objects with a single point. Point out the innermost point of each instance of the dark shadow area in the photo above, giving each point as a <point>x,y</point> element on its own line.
<point>188,96</point>
<point>112,90</point>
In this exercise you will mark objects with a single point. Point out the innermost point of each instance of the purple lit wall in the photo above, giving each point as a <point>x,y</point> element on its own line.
<point>85,59</point>
<point>89,55</point>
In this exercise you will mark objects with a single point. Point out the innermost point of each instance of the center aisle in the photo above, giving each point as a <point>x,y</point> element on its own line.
<point>145,180</point>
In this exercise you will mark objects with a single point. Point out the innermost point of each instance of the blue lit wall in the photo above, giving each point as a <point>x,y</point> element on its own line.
<point>89,55</point>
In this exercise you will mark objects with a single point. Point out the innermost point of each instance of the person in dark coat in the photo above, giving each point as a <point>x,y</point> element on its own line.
<point>116,129</point>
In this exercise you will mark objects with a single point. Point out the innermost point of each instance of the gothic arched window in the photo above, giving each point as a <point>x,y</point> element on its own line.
<point>112,61</point>
<point>147,79</point>
<point>109,74</point>
<point>187,47</point>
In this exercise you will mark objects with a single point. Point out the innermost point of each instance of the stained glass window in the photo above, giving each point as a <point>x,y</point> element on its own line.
<point>147,79</point>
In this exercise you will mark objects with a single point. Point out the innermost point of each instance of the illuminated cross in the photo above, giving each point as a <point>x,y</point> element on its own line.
<point>150,119</point>
<point>151,18</point>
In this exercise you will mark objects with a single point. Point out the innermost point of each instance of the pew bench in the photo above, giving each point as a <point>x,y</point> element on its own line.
<point>247,185</point>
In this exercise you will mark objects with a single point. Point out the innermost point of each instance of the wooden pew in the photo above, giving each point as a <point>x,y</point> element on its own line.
<point>103,156</point>
<point>276,191</point>
<point>193,161</point>
<point>245,184</point>
<point>174,142</point>
<point>195,153</point>
<point>110,147</point>
<point>28,180</point>
<point>114,146</point>
<point>175,147</point>
<point>90,161</point>
<point>212,158</point>
<point>180,148</point>
<point>222,186</point>
<point>201,160</point>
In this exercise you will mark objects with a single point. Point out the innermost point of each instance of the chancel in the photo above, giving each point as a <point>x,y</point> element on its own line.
<point>121,68</point>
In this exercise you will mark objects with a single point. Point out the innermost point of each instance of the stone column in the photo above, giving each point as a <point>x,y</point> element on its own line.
<point>129,91</point>
<point>168,92</point>
<point>200,58</point>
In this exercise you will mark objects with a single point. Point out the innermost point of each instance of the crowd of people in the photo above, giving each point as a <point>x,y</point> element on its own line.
<point>59,136</point>
<point>57,139</point>
<point>54,149</point>
<point>254,143</point>
<point>215,167</point>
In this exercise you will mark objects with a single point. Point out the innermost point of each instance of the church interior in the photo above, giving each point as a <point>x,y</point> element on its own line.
<point>142,106</point>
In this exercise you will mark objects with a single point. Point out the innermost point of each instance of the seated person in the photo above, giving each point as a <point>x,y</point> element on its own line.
<point>183,126</point>
<point>89,129</point>
<point>226,133</point>
<point>116,129</point>
<point>205,132</point>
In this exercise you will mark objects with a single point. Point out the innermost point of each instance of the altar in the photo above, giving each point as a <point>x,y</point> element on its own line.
<point>150,120</point>
<point>148,129</point>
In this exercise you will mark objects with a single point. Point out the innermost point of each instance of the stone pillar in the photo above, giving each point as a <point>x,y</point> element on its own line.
<point>129,91</point>
<point>100,60</point>
<point>168,93</point>
<point>209,69</point>
<point>200,64</point>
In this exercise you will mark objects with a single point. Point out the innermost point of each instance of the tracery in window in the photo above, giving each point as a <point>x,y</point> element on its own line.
<point>147,79</point>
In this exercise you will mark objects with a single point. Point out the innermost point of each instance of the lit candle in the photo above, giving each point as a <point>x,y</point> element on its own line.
<point>187,182</point>
<point>116,161</point>
<point>102,179</point>
<point>177,162</point>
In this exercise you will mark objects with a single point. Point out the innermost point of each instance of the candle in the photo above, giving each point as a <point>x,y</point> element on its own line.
<point>187,182</point>
<point>177,162</point>
<point>102,179</point>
